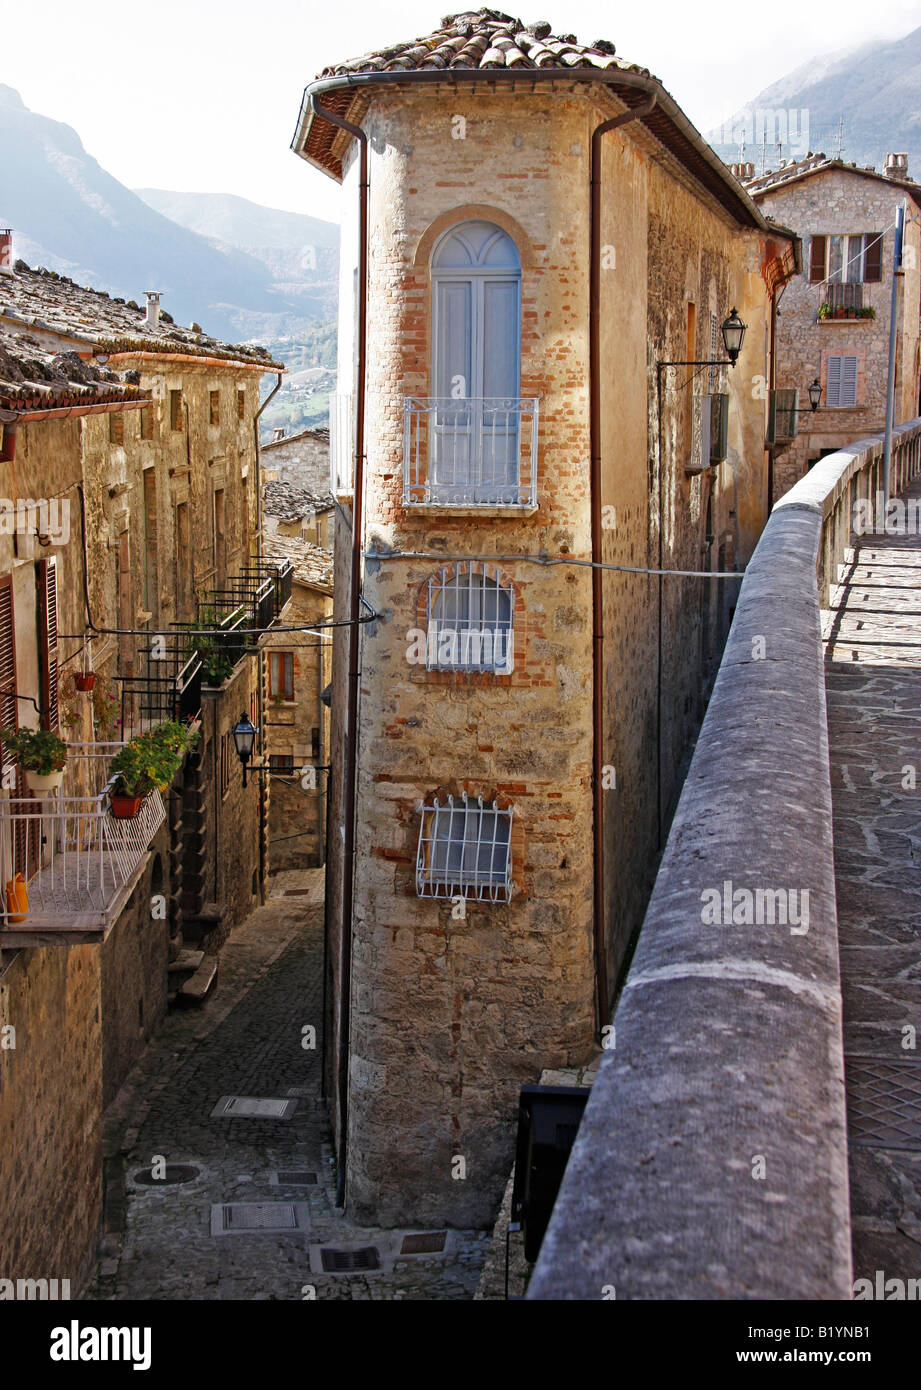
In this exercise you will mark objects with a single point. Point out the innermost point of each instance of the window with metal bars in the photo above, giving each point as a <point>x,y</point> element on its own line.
<point>470,621</point>
<point>464,850</point>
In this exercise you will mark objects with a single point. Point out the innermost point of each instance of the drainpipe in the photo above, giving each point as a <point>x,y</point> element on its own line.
<point>350,752</point>
<point>260,701</point>
<point>594,340</point>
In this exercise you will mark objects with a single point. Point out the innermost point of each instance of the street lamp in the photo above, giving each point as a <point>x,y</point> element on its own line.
<point>733,331</point>
<point>244,736</point>
<point>815,394</point>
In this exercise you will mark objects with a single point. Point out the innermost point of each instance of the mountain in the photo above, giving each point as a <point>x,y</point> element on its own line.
<point>72,216</point>
<point>873,90</point>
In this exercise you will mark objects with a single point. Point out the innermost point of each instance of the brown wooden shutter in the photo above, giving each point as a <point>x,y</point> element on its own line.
<point>47,583</point>
<point>8,702</point>
<point>873,257</point>
<point>816,260</point>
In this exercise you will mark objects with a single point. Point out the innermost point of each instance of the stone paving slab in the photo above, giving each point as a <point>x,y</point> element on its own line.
<point>873,685</point>
<point>247,1040</point>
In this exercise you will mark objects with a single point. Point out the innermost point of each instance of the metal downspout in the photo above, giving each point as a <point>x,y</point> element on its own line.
<point>350,752</point>
<point>594,337</point>
<point>260,702</point>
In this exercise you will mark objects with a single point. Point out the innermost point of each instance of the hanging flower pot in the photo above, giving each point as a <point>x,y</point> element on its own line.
<point>17,899</point>
<point>44,781</point>
<point>125,807</point>
<point>85,680</point>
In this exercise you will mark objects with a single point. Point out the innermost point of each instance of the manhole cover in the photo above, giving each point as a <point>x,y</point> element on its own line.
<point>171,1173</point>
<point>228,1218</point>
<point>253,1108</point>
<point>884,1102</point>
<point>297,1179</point>
<point>427,1243</point>
<point>350,1261</point>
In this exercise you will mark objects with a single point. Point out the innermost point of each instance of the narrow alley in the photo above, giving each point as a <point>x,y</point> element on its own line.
<point>254,1217</point>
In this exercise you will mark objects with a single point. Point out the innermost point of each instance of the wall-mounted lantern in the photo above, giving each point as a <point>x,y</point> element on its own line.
<point>815,394</point>
<point>244,737</point>
<point>733,331</point>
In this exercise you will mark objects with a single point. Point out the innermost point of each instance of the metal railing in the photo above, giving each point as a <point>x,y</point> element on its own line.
<point>478,452</point>
<point>846,297</point>
<point>74,856</point>
<point>167,687</point>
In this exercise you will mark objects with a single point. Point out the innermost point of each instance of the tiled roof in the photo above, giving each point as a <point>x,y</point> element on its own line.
<point>487,45</point>
<point>31,378</point>
<point>312,563</point>
<point>45,301</point>
<point>486,39</point>
<point>289,501</point>
<point>318,432</point>
<point>794,170</point>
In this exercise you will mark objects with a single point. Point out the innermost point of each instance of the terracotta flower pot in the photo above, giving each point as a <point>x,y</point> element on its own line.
<point>44,782</point>
<point>85,681</point>
<point>124,807</point>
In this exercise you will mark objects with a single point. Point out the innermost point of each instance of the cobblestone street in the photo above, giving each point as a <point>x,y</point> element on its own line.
<point>247,1041</point>
<point>873,685</point>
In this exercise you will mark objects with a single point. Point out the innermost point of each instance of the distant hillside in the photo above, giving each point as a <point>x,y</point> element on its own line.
<point>874,90</point>
<point>69,214</point>
<point>300,253</point>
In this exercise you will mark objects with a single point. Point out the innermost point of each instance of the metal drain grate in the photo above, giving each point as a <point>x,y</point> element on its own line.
<point>884,1102</point>
<point>253,1108</point>
<point>427,1243</point>
<point>297,1179</point>
<point>172,1173</point>
<point>350,1261</point>
<point>231,1218</point>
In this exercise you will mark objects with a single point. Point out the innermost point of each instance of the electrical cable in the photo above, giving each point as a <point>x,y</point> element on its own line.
<point>547,562</point>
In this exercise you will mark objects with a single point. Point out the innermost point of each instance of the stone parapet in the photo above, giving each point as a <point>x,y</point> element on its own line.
<point>712,1159</point>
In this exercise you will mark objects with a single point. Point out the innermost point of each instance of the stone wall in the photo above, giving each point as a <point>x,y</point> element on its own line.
<point>450,1015</point>
<point>841,201</point>
<point>50,1113</point>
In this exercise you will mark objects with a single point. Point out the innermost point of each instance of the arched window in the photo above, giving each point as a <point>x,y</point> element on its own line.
<point>464,849</point>
<point>470,620</point>
<point>476,364</point>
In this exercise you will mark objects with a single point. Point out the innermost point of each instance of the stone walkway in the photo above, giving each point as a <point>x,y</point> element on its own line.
<point>247,1041</point>
<point>873,685</point>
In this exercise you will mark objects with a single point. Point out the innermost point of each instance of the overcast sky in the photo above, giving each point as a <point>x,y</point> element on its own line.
<point>203,95</point>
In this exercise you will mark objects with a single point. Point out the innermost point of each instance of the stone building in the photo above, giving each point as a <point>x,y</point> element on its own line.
<point>510,391</point>
<point>144,436</point>
<point>834,317</point>
<point>299,669</point>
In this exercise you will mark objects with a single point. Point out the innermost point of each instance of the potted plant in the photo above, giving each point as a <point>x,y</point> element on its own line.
<point>148,762</point>
<point>40,754</point>
<point>867,312</point>
<point>106,709</point>
<point>824,311</point>
<point>86,678</point>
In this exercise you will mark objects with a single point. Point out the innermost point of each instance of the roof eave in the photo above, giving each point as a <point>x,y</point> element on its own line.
<point>736,200</point>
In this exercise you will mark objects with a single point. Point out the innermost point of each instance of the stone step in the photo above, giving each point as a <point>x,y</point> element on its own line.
<point>186,960</point>
<point>197,988</point>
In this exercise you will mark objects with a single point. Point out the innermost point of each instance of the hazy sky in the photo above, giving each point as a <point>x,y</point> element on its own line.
<point>203,95</point>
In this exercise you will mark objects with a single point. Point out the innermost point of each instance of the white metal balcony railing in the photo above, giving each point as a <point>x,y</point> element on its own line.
<point>341,446</point>
<point>75,858</point>
<point>478,452</point>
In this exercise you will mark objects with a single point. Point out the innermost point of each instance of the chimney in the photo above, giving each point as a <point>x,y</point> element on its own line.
<point>277,434</point>
<point>896,166</point>
<point>6,251</point>
<point>153,308</point>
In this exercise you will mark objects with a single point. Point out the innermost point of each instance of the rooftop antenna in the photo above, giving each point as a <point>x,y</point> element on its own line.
<point>764,149</point>
<point>839,138</point>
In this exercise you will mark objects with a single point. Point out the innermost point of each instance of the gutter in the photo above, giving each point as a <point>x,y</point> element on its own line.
<point>350,753</point>
<point>594,341</point>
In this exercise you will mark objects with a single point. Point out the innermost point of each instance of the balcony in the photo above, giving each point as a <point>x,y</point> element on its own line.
<point>843,302</point>
<point>79,863</point>
<point>470,455</point>
<point>168,686</point>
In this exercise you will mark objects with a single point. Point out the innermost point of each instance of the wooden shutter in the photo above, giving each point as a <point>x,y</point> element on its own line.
<point>816,260</point>
<point>849,380</point>
<point>47,583</point>
<point>873,257</point>
<point>833,382</point>
<point>8,702</point>
<point>841,381</point>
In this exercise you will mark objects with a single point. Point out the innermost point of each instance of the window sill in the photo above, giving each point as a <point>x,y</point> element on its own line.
<point>485,510</point>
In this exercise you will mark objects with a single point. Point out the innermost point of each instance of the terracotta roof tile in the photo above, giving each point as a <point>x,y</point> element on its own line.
<point>43,300</point>
<point>485,39</point>
<point>32,378</point>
